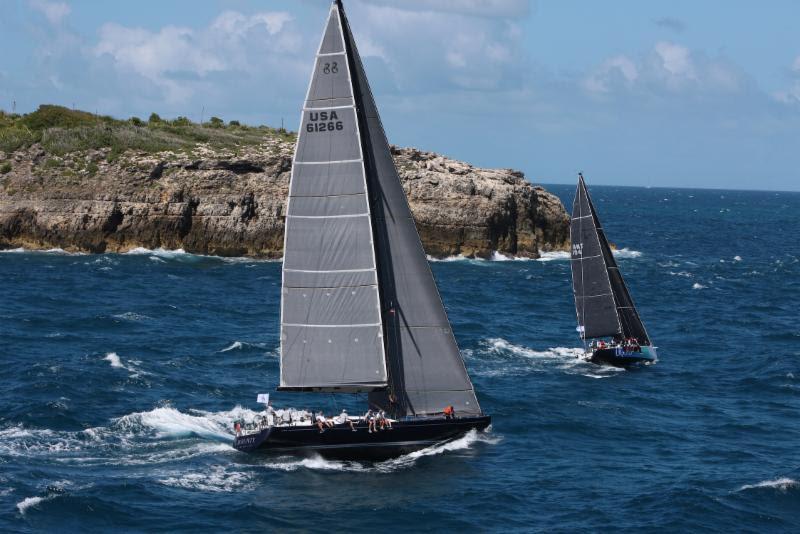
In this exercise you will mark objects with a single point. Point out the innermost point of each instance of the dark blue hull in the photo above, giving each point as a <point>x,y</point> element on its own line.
<point>618,357</point>
<point>341,442</point>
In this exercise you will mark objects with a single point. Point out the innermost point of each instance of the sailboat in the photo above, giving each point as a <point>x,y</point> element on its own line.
<point>360,310</point>
<point>605,309</point>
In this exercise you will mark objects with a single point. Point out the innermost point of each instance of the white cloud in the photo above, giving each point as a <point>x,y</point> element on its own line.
<point>792,94</point>
<point>175,59</point>
<point>667,68</point>
<point>54,12</point>
<point>676,58</point>
<point>618,68</point>
<point>439,46</point>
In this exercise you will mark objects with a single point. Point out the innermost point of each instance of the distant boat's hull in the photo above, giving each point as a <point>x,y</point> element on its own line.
<point>618,357</point>
<point>341,442</point>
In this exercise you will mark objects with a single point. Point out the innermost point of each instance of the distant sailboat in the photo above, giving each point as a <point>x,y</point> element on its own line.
<point>605,309</point>
<point>360,310</point>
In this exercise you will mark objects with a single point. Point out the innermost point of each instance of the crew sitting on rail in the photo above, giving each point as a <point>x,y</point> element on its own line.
<point>384,421</point>
<point>370,417</point>
<point>322,422</point>
<point>449,412</point>
<point>342,418</point>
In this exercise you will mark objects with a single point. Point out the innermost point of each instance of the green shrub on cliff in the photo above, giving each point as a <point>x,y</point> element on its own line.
<point>61,130</point>
<point>5,168</point>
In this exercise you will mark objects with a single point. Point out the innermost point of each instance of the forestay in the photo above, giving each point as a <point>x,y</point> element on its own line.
<point>331,330</point>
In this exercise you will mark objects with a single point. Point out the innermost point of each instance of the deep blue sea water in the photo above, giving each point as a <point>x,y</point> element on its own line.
<point>122,373</point>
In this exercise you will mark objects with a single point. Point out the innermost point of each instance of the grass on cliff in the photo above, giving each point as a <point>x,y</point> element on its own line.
<point>61,130</point>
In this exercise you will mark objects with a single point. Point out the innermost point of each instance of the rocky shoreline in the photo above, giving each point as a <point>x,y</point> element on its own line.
<point>231,202</point>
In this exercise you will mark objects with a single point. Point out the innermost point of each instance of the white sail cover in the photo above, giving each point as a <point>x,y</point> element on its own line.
<point>331,329</point>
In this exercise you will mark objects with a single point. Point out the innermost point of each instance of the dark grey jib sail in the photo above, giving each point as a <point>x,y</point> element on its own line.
<point>360,308</point>
<point>602,300</point>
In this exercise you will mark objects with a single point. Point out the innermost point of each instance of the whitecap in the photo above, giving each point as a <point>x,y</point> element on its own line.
<point>55,251</point>
<point>216,478</point>
<point>557,255</point>
<point>627,253</point>
<point>115,360</point>
<point>458,257</point>
<point>737,258</point>
<point>698,286</point>
<point>168,422</point>
<point>233,346</point>
<point>131,316</point>
<point>571,360</point>
<point>781,484</point>
<point>31,502</point>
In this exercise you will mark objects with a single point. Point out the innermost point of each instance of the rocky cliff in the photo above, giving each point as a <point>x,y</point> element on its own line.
<point>231,201</point>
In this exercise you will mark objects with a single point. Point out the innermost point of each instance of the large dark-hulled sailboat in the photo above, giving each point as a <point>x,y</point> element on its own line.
<point>360,310</point>
<point>606,312</point>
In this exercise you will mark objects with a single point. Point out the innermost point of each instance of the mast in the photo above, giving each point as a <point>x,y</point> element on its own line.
<point>603,303</point>
<point>425,369</point>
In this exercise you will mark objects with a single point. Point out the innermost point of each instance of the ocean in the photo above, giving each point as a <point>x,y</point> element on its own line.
<point>122,374</point>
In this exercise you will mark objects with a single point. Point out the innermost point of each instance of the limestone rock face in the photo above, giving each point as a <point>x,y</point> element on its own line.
<point>231,202</point>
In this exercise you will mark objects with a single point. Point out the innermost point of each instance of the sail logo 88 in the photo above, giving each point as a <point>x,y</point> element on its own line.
<point>323,121</point>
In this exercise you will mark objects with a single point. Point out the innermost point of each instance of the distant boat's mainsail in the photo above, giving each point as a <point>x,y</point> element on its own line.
<point>602,301</point>
<point>360,310</point>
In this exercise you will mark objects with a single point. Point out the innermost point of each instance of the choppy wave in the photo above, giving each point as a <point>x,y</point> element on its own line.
<point>236,345</point>
<point>160,435</point>
<point>60,251</point>
<point>503,358</point>
<point>167,422</point>
<point>558,255</point>
<point>216,478</point>
<point>697,285</point>
<point>131,316</point>
<point>162,254</point>
<point>116,361</point>
<point>31,502</point>
<point>780,484</point>
<point>627,253</point>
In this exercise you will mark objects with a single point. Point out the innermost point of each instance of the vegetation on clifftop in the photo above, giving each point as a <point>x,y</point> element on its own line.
<point>61,130</point>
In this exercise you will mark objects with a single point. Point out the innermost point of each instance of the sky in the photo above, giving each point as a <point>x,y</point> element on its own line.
<point>661,93</point>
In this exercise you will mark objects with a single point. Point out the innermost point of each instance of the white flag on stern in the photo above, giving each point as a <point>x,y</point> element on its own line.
<point>263,397</point>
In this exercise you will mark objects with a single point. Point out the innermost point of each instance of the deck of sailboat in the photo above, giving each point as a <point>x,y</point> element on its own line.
<point>341,442</point>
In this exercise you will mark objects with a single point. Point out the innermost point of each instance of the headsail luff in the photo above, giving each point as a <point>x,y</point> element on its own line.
<point>602,300</point>
<point>331,327</point>
<point>426,370</point>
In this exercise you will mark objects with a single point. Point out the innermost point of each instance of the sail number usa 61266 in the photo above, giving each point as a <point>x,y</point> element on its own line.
<point>323,121</point>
